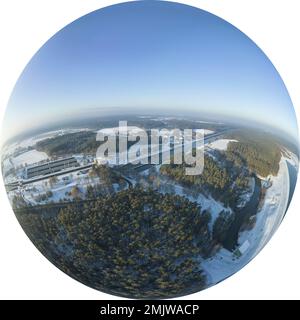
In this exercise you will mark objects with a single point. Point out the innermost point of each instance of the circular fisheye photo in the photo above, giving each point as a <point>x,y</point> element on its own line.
<point>150,150</point>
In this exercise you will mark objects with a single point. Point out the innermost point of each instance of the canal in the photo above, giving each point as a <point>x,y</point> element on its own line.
<point>293,179</point>
<point>242,215</point>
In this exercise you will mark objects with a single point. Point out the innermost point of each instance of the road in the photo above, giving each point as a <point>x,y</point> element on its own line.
<point>143,167</point>
<point>139,167</point>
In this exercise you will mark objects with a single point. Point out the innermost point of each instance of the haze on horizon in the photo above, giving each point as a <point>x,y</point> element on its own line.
<point>149,54</point>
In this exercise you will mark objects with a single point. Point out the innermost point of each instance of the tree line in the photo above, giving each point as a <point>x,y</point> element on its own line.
<point>137,243</point>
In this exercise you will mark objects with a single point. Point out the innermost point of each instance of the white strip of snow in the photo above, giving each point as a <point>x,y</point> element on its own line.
<point>7,165</point>
<point>273,210</point>
<point>120,130</point>
<point>29,157</point>
<point>207,131</point>
<point>220,144</point>
<point>29,142</point>
<point>213,206</point>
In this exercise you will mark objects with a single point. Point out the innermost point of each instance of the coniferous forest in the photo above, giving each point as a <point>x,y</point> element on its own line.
<point>138,243</point>
<point>259,152</point>
<point>134,237</point>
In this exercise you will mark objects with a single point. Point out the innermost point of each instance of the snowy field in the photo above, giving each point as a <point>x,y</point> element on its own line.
<point>293,159</point>
<point>209,122</point>
<point>121,130</point>
<point>59,189</point>
<point>206,203</point>
<point>29,142</point>
<point>220,144</point>
<point>273,210</point>
<point>29,157</point>
<point>207,131</point>
<point>7,165</point>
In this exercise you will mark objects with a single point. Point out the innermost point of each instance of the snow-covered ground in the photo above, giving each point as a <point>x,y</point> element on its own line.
<point>220,144</point>
<point>207,203</point>
<point>161,118</point>
<point>59,189</point>
<point>7,165</point>
<point>275,205</point>
<point>29,157</point>
<point>273,210</point>
<point>122,130</point>
<point>292,159</point>
<point>209,122</point>
<point>207,131</point>
<point>17,154</point>
<point>224,263</point>
<point>30,142</point>
<point>246,196</point>
<point>168,186</point>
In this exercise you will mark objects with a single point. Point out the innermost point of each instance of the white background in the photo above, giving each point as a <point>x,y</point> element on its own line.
<point>26,25</point>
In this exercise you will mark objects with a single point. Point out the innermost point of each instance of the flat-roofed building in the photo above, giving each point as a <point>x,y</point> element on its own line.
<point>51,167</point>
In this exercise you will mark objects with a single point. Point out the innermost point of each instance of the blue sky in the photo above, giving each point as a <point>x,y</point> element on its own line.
<point>149,54</point>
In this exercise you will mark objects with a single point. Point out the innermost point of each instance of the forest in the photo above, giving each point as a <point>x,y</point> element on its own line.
<point>68,144</point>
<point>220,179</point>
<point>137,243</point>
<point>260,153</point>
<point>71,143</point>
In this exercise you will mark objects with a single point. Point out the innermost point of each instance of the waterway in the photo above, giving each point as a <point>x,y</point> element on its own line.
<point>242,215</point>
<point>293,179</point>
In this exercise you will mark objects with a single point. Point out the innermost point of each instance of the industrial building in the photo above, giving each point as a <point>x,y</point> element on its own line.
<point>51,167</point>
